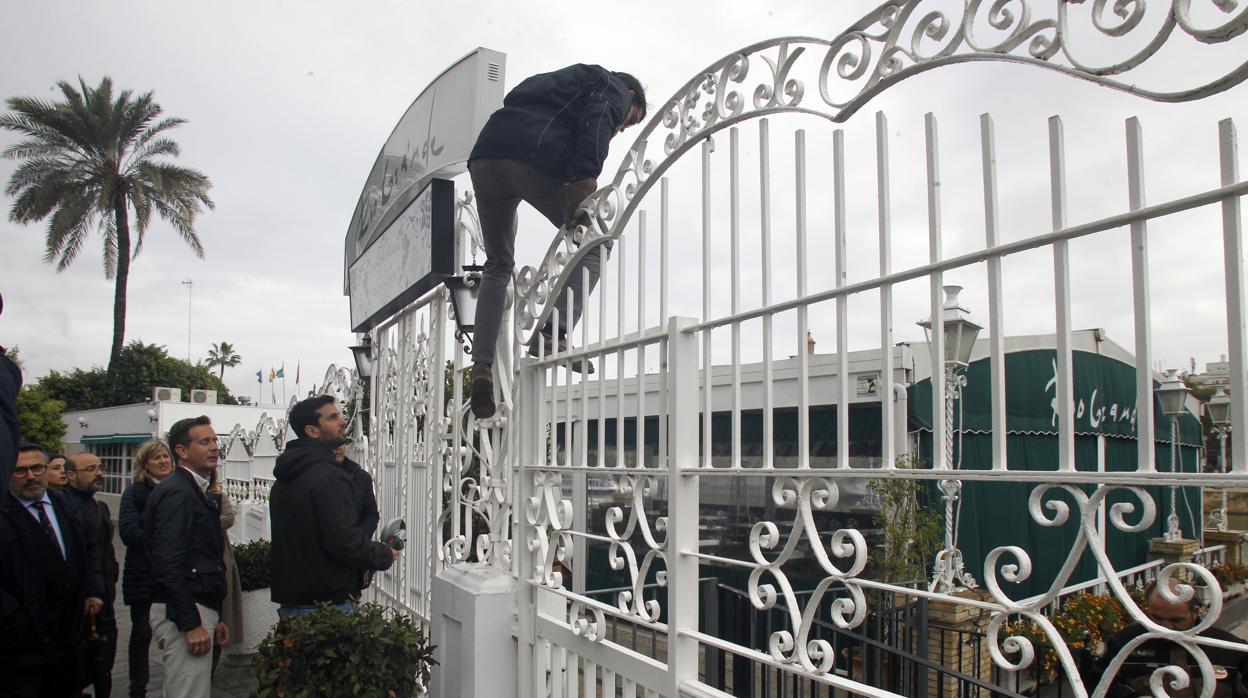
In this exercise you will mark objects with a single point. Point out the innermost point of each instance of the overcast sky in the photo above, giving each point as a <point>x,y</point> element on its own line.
<point>288,104</point>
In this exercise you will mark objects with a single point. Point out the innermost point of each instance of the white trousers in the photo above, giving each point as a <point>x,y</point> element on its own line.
<point>186,676</point>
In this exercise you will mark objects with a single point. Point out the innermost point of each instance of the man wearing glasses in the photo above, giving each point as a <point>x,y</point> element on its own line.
<point>86,477</point>
<point>49,580</point>
<point>186,548</point>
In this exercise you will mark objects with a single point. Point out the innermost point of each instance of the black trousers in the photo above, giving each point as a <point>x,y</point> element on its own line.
<point>140,641</point>
<point>99,655</point>
<point>56,679</point>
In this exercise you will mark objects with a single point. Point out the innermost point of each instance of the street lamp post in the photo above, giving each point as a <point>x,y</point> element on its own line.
<point>1219,411</point>
<point>1172,394</point>
<point>949,573</point>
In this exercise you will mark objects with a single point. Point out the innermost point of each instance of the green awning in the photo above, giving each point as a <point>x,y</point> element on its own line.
<point>116,439</point>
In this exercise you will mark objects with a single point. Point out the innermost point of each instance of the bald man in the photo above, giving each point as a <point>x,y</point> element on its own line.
<point>86,477</point>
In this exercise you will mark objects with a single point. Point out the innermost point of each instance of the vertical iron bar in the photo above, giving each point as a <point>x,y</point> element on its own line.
<point>842,302</point>
<point>935,253</point>
<point>619,357</point>
<point>1142,305</point>
<point>888,426</point>
<point>734,212</point>
<point>1233,262</point>
<point>803,364</point>
<point>641,348</point>
<point>996,314</point>
<point>708,378</point>
<point>764,205</point>
<point>1061,299</point>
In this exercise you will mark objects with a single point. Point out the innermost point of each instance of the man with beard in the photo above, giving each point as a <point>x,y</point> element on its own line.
<point>185,549</point>
<point>86,477</point>
<point>319,545</point>
<point>49,581</point>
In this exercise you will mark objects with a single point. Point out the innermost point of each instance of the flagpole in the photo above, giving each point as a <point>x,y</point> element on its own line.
<point>283,382</point>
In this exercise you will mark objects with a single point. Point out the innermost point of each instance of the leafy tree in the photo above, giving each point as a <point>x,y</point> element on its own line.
<point>91,161</point>
<point>222,355</point>
<point>39,417</point>
<point>14,356</point>
<point>139,368</point>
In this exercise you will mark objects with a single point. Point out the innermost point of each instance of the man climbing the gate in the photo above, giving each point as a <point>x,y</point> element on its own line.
<point>546,146</point>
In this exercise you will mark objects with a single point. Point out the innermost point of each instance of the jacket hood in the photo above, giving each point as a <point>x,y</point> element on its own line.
<point>299,457</point>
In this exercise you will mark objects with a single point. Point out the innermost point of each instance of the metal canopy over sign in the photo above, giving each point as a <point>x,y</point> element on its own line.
<point>433,139</point>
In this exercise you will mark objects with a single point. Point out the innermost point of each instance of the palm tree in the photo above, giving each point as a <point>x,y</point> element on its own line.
<point>91,161</point>
<point>222,355</point>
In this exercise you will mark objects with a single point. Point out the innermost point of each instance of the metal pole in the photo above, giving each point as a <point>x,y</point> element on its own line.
<point>1222,515</point>
<point>190,287</point>
<point>1173,532</point>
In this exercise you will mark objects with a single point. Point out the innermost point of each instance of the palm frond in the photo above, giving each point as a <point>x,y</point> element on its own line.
<point>158,128</point>
<point>157,148</point>
<point>68,230</point>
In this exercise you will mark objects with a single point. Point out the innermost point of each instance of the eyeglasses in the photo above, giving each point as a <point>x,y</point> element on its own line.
<point>88,469</point>
<point>27,471</point>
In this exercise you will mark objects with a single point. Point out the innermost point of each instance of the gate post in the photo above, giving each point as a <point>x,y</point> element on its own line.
<point>531,441</point>
<point>682,503</point>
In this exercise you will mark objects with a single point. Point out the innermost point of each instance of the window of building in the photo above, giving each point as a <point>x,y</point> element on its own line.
<point>116,461</point>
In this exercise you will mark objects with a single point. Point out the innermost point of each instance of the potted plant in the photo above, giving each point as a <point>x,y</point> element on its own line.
<point>373,652</point>
<point>259,611</point>
<point>1231,578</point>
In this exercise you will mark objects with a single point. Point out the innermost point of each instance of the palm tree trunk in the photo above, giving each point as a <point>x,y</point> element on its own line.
<point>122,218</point>
<point>222,373</point>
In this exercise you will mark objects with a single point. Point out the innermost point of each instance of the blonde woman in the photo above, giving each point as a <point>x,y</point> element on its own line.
<point>232,605</point>
<point>152,463</point>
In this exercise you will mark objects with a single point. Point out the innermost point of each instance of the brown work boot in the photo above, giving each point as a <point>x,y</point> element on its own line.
<point>482,381</point>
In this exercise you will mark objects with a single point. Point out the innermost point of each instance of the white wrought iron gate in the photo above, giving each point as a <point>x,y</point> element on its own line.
<point>681,319</point>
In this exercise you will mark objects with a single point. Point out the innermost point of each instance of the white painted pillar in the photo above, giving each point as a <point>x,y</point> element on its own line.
<point>474,630</point>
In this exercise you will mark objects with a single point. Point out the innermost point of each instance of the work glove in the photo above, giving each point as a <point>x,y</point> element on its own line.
<point>576,193</point>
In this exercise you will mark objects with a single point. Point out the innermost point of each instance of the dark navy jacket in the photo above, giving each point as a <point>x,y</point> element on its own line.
<point>562,121</point>
<point>186,549</point>
<point>136,578</point>
<point>42,595</point>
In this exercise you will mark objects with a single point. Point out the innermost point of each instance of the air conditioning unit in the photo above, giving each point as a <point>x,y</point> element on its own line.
<point>166,395</point>
<point>204,397</point>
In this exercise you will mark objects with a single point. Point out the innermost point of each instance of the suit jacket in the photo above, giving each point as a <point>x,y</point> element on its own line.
<point>42,595</point>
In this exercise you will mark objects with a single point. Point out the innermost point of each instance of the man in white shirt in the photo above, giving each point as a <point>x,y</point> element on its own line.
<point>185,547</point>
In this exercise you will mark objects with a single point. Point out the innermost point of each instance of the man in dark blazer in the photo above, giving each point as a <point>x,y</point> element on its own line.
<point>49,580</point>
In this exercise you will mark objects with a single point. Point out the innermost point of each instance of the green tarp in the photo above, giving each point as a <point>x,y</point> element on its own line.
<point>996,514</point>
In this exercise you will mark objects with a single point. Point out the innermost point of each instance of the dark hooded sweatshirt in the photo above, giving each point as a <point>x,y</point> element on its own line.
<point>318,544</point>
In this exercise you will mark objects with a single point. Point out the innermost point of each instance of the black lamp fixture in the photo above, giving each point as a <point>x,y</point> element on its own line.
<point>960,332</point>
<point>363,353</point>
<point>464,288</point>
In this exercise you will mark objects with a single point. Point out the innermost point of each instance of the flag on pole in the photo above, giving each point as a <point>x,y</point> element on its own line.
<point>296,374</point>
<point>260,377</point>
<point>272,374</point>
<point>281,372</point>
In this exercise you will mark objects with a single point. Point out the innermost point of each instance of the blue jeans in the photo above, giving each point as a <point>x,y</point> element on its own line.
<point>291,611</point>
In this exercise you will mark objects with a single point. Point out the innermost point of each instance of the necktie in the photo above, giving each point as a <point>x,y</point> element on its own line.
<point>47,525</point>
